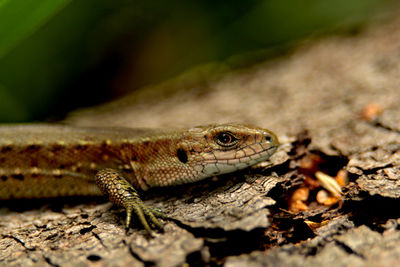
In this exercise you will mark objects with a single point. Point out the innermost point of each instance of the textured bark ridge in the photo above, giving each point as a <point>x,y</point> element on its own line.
<point>334,104</point>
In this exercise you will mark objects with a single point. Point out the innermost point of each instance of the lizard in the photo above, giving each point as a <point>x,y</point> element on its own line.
<point>49,160</point>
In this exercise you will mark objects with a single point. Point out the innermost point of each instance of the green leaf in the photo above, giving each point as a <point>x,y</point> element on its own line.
<point>21,18</point>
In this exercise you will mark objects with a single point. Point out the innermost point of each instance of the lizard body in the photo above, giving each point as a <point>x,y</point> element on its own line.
<point>42,161</point>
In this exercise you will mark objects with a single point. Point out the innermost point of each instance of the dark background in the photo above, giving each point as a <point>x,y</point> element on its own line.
<point>57,55</point>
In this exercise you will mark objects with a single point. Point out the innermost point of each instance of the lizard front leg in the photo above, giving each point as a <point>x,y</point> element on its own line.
<point>122,193</point>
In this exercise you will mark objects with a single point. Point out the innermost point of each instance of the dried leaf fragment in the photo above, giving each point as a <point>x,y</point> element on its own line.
<point>371,111</point>
<point>326,200</point>
<point>342,178</point>
<point>329,183</point>
<point>296,202</point>
<point>315,225</point>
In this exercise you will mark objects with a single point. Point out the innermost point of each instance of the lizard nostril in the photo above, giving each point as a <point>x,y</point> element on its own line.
<point>268,138</point>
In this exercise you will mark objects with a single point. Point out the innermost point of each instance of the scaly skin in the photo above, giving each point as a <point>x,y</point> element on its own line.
<point>42,161</point>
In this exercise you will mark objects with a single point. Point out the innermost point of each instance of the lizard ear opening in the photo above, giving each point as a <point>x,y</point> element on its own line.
<point>182,156</point>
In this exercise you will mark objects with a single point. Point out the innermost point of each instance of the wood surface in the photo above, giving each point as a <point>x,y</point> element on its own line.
<point>334,102</point>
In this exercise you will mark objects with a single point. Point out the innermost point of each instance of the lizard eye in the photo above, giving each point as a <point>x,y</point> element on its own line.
<point>268,139</point>
<point>226,139</point>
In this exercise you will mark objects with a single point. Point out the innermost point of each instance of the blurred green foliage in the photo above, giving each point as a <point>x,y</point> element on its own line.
<point>56,55</point>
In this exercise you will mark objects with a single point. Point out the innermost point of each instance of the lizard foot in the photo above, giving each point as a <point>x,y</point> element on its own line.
<point>122,193</point>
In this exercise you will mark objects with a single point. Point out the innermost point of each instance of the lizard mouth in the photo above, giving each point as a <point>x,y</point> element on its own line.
<point>220,166</point>
<point>249,157</point>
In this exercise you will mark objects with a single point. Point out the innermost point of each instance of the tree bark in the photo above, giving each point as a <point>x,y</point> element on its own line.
<point>334,104</point>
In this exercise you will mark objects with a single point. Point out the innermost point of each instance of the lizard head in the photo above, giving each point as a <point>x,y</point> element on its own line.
<point>217,149</point>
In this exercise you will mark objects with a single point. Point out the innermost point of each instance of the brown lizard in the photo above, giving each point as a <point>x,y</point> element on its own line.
<point>45,161</point>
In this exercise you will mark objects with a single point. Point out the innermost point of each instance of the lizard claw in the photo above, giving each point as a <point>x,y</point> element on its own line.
<point>145,214</point>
